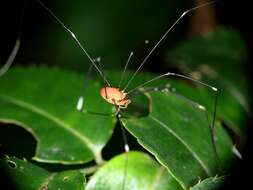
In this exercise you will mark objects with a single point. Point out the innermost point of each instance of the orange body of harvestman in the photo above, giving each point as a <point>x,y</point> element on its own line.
<point>115,96</point>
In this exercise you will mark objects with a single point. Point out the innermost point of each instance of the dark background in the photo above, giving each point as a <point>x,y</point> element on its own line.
<point>39,45</point>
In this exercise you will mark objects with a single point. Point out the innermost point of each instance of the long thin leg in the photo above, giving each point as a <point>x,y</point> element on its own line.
<point>141,91</point>
<point>175,75</point>
<point>194,104</point>
<point>125,68</point>
<point>164,35</point>
<point>11,58</point>
<point>98,61</point>
<point>76,40</point>
<point>80,101</point>
<point>210,124</point>
<point>126,149</point>
<point>212,88</point>
<point>16,47</point>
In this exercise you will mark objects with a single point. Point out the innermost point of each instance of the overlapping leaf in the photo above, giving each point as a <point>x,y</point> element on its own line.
<point>212,183</point>
<point>142,173</point>
<point>174,131</point>
<point>177,133</point>
<point>28,176</point>
<point>43,101</point>
<point>219,58</point>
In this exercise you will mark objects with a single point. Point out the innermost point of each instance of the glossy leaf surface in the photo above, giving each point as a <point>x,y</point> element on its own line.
<point>212,183</point>
<point>28,176</point>
<point>174,130</point>
<point>219,58</point>
<point>142,173</point>
<point>177,133</point>
<point>43,101</point>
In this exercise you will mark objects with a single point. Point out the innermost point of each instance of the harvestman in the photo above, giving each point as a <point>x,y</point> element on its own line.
<point>119,97</point>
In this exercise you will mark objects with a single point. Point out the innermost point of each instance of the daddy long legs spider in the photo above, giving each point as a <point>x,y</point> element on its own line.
<point>120,97</point>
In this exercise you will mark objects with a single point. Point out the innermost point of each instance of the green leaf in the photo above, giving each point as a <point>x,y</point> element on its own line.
<point>219,58</point>
<point>142,173</point>
<point>43,102</point>
<point>212,183</point>
<point>177,134</point>
<point>25,175</point>
<point>174,131</point>
<point>68,180</point>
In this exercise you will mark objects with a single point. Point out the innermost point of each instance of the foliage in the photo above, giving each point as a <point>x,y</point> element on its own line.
<point>28,176</point>
<point>169,125</point>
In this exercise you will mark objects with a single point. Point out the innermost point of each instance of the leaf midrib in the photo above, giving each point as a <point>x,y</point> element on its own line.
<point>183,142</point>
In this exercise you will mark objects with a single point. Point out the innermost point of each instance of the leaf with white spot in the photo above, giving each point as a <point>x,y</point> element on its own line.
<point>43,102</point>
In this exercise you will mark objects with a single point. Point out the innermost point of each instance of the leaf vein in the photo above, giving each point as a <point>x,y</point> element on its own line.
<point>183,142</point>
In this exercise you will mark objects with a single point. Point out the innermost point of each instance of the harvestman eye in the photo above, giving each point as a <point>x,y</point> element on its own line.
<point>120,97</point>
